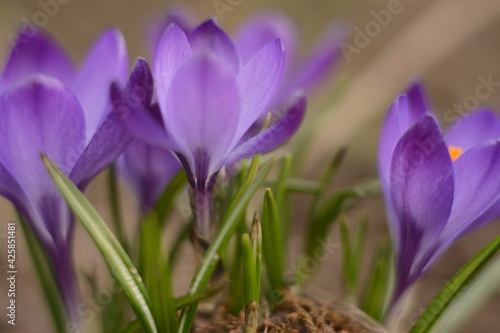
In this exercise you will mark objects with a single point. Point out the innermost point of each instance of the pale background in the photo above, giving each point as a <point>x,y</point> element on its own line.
<point>448,44</point>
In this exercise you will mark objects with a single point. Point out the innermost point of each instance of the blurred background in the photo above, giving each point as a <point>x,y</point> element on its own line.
<point>448,44</point>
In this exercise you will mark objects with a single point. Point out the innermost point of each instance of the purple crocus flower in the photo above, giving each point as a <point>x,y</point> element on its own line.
<point>208,100</point>
<point>437,187</point>
<point>304,74</point>
<point>47,106</point>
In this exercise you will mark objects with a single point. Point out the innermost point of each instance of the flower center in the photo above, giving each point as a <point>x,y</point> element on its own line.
<point>455,152</point>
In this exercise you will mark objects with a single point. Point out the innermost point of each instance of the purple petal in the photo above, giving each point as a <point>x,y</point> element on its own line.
<point>275,135</point>
<point>41,116</point>
<point>257,82</point>
<point>105,63</point>
<point>265,28</point>
<point>322,60</point>
<point>477,128</point>
<point>108,143</point>
<point>208,37</point>
<point>477,188</point>
<point>179,15</point>
<point>172,51</point>
<point>421,187</point>
<point>148,169</point>
<point>404,112</point>
<point>35,54</point>
<point>202,113</point>
<point>133,109</point>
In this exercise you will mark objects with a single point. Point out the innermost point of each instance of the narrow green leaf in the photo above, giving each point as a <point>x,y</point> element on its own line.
<point>248,269</point>
<point>209,262</point>
<point>118,262</point>
<point>378,291</point>
<point>280,188</point>
<point>46,275</point>
<point>345,242</point>
<point>166,203</point>
<point>155,270</point>
<point>114,200</point>
<point>455,287</point>
<point>256,237</point>
<point>188,300</point>
<point>272,242</point>
<point>327,178</point>
<point>468,305</point>
<point>133,327</point>
<point>357,247</point>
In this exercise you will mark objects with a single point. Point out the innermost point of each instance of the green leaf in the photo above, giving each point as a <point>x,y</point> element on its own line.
<point>191,299</point>
<point>378,292</point>
<point>116,258</point>
<point>455,287</point>
<point>250,275</point>
<point>357,247</point>
<point>272,242</point>
<point>155,270</point>
<point>166,202</point>
<point>209,262</point>
<point>114,200</point>
<point>46,275</point>
<point>256,237</point>
<point>471,301</point>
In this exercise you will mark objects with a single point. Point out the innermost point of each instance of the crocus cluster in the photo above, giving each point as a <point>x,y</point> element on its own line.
<point>48,106</point>
<point>437,186</point>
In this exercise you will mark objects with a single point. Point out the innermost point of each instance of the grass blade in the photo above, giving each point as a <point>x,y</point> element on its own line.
<point>273,242</point>
<point>118,262</point>
<point>455,287</point>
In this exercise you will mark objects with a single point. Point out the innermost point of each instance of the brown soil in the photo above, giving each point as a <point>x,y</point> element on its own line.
<point>300,315</point>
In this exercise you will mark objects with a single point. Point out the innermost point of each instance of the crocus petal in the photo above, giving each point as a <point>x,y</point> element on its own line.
<point>172,51</point>
<point>105,63</point>
<point>133,109</point>
<point>265,28</point>
<point>275,135</point>
<point>477,187</point>
<point>108,143</point>
<point>322,60</point>
<point>257,82</point>
<point>41,116</point>
<point>478,127</point>
<point>149,170</point>
<point>37,54</point>
<point>202,113</point>
<point>404,112</point>
<point>208,37</point>
<point>421,188</point>
<point>179,15</point>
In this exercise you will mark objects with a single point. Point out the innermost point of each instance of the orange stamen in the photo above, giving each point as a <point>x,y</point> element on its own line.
<point>455,152</point>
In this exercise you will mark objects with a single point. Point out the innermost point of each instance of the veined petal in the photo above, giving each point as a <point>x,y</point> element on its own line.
<point>322,60</point>
<point>202,113</point>
<point>41,116</point>
<point>208,37</point>
<point>179,15</point>
<point>421,187</point>
<point>108,143</point>
<point>172,51</point>
<point>404,112</point>
<point>35,54</point>
<point>257,82</point>
<point>105,63</point>
<point>265,28</point>
<point>477,128</point>
<point>275,135</point>
<point>132,106</point>
<point>477,188</point>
